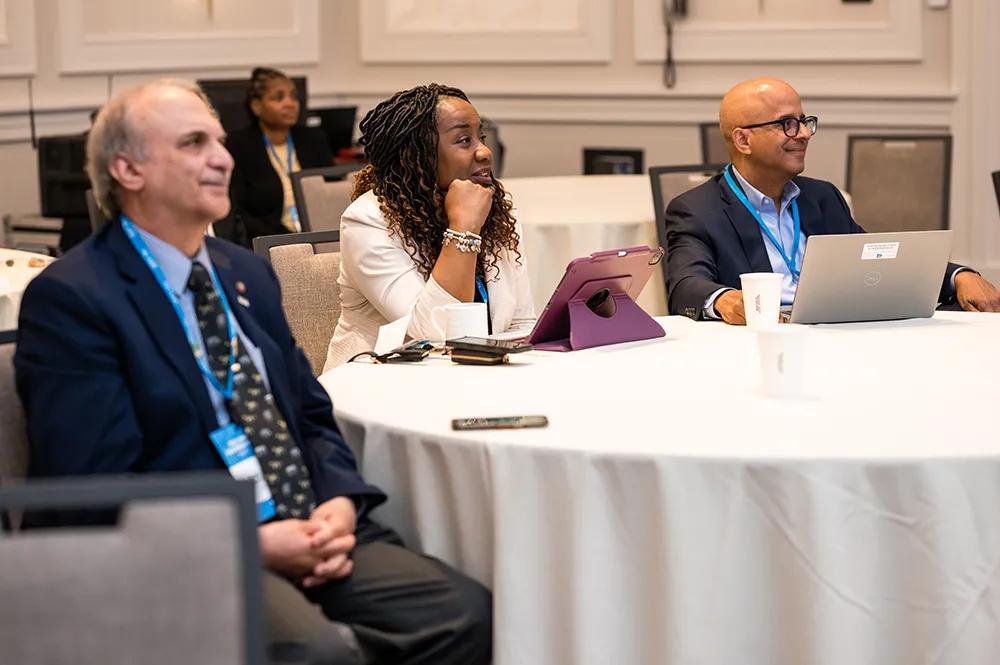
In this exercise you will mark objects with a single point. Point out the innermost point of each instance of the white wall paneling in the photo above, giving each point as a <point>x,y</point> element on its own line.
<point>17,37</point>
<point>456,31</point>
<point>192,35</point>
<point>974,213</point>
<point>897,37</point>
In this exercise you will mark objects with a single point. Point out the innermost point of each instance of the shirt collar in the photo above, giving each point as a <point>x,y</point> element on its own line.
<point>756,198</point>
<point>175,265</point>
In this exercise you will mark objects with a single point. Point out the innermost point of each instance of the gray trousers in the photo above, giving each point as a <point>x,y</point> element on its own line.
<point>396,607</point>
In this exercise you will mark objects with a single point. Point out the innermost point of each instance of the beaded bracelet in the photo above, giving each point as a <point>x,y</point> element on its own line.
<point>466,241</point>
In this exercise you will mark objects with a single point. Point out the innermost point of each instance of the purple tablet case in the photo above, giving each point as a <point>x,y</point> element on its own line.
<point>571,321</point>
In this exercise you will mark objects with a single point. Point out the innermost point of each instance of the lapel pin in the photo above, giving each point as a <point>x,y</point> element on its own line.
<point>241,287</point>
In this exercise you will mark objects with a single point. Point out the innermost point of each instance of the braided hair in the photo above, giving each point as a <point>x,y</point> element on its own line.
<point>260,78</point>
<point>400,136</point>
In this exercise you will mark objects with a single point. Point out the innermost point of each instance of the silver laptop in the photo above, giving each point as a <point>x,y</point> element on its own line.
<point>871,276</point>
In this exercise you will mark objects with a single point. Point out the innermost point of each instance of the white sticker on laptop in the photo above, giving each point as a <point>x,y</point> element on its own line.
<point>873,251</point>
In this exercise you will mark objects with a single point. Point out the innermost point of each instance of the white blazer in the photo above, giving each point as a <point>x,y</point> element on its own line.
<point>379,283</point>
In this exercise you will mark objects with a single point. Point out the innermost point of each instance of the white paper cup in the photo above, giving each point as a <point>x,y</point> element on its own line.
<point>761,299</point>
<point>782,360</point>
<point>466,319</point>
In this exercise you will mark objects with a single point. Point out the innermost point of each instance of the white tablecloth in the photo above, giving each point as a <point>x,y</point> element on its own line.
<point>672,515</point>
<point>569,216</point>
<point>15,273</point>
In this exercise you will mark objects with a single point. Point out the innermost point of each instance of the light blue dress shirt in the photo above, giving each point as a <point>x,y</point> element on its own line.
<point>177,269</point>
<point>780,222</point>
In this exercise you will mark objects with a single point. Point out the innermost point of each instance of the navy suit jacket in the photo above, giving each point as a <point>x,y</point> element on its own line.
<point>109,383</point>
<point>712,239</point>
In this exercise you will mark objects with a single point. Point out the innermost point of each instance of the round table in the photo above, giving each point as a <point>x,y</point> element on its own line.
<point>17,268</point>
<point>565,217</point>
<point>672,514</point>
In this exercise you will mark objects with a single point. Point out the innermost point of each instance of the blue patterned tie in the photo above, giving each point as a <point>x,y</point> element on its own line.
<point>252,406</point>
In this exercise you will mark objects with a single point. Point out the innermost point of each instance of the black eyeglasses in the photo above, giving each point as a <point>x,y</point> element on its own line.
<point>790,125</point>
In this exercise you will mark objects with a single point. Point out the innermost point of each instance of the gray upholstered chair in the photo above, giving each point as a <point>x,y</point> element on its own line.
<point>13,438</point>
<point>322,195</point>
<point>492,132</point>
<point>996,185</point>
<point>713,144</point>
<point>136,591</point>
<point>899,183</point>
<point>309,292</point>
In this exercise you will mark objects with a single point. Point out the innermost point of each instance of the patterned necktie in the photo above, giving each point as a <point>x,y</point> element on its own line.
<point>252,406</point>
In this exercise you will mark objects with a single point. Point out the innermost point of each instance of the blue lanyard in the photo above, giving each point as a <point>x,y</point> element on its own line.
<point>288,153</point>
<point>763,227</point>
<point>481,288</point>
<point>196,347</point>
<point>289,147</point>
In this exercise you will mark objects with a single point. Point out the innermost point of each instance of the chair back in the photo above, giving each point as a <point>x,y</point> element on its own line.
<point>899,183</point>
<point>97,218</point>
<point>13,435</point>
<point>669,182</point>
<point>713,144</point>
<point>996,186</point>
<point>492,132</point>
<point>322,195</point>
<point>310,295</point>
<point>138,591</point>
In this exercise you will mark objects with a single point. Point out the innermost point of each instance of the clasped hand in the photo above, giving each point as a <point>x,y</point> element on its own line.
<point>313,551</point>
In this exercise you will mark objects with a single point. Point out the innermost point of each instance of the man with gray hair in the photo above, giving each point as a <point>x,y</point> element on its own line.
<point>153,348</point>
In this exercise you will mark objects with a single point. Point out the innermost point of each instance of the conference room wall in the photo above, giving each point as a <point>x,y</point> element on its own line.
<point>549,111</point>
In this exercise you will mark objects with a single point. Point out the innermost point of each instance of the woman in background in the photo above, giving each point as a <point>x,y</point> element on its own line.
<point>267,153</point>
<point>429,225</point>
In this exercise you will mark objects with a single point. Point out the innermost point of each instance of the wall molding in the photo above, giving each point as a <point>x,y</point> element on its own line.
<point>587,38</point>
<point>903,112</point>
<point>17,38</point>
<point>83,54</point>
<point>898,39</point>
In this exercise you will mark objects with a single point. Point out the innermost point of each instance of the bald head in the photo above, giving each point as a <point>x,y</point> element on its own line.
<point>750,102</point>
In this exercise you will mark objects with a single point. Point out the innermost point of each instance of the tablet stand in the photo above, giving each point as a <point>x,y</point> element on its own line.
<point>628,323</point>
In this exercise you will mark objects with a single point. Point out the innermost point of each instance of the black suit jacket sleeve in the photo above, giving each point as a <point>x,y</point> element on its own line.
<point>58,370</point>
<point>692,272</point>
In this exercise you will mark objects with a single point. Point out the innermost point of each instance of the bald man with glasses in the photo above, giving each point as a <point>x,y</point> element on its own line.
<point>757,214</point>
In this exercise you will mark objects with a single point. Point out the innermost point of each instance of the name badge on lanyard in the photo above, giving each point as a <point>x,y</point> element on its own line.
<point>230,440</point>
<point>789,260</point>
<point>292,211</point>
<point>235,449</point>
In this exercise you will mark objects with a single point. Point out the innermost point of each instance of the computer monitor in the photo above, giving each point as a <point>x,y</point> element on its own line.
<point>229,97</point>
<point>337,122</point>
<point>62,176</point>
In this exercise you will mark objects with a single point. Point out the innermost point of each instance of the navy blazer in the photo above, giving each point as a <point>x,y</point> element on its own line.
<point>109,383</point>
<point>712,239</point>
<point>255,188</point>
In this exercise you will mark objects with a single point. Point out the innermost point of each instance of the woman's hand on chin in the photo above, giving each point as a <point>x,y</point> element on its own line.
<point>467,205</point>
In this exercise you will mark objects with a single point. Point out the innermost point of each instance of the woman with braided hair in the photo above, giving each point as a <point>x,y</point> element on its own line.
<point>429,225</point>
<point>266,154</point>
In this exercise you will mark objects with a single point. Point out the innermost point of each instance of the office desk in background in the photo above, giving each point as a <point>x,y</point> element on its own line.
<point>671,515</point>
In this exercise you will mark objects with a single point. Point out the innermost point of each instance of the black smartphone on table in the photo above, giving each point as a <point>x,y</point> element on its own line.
<point>489,346</point>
